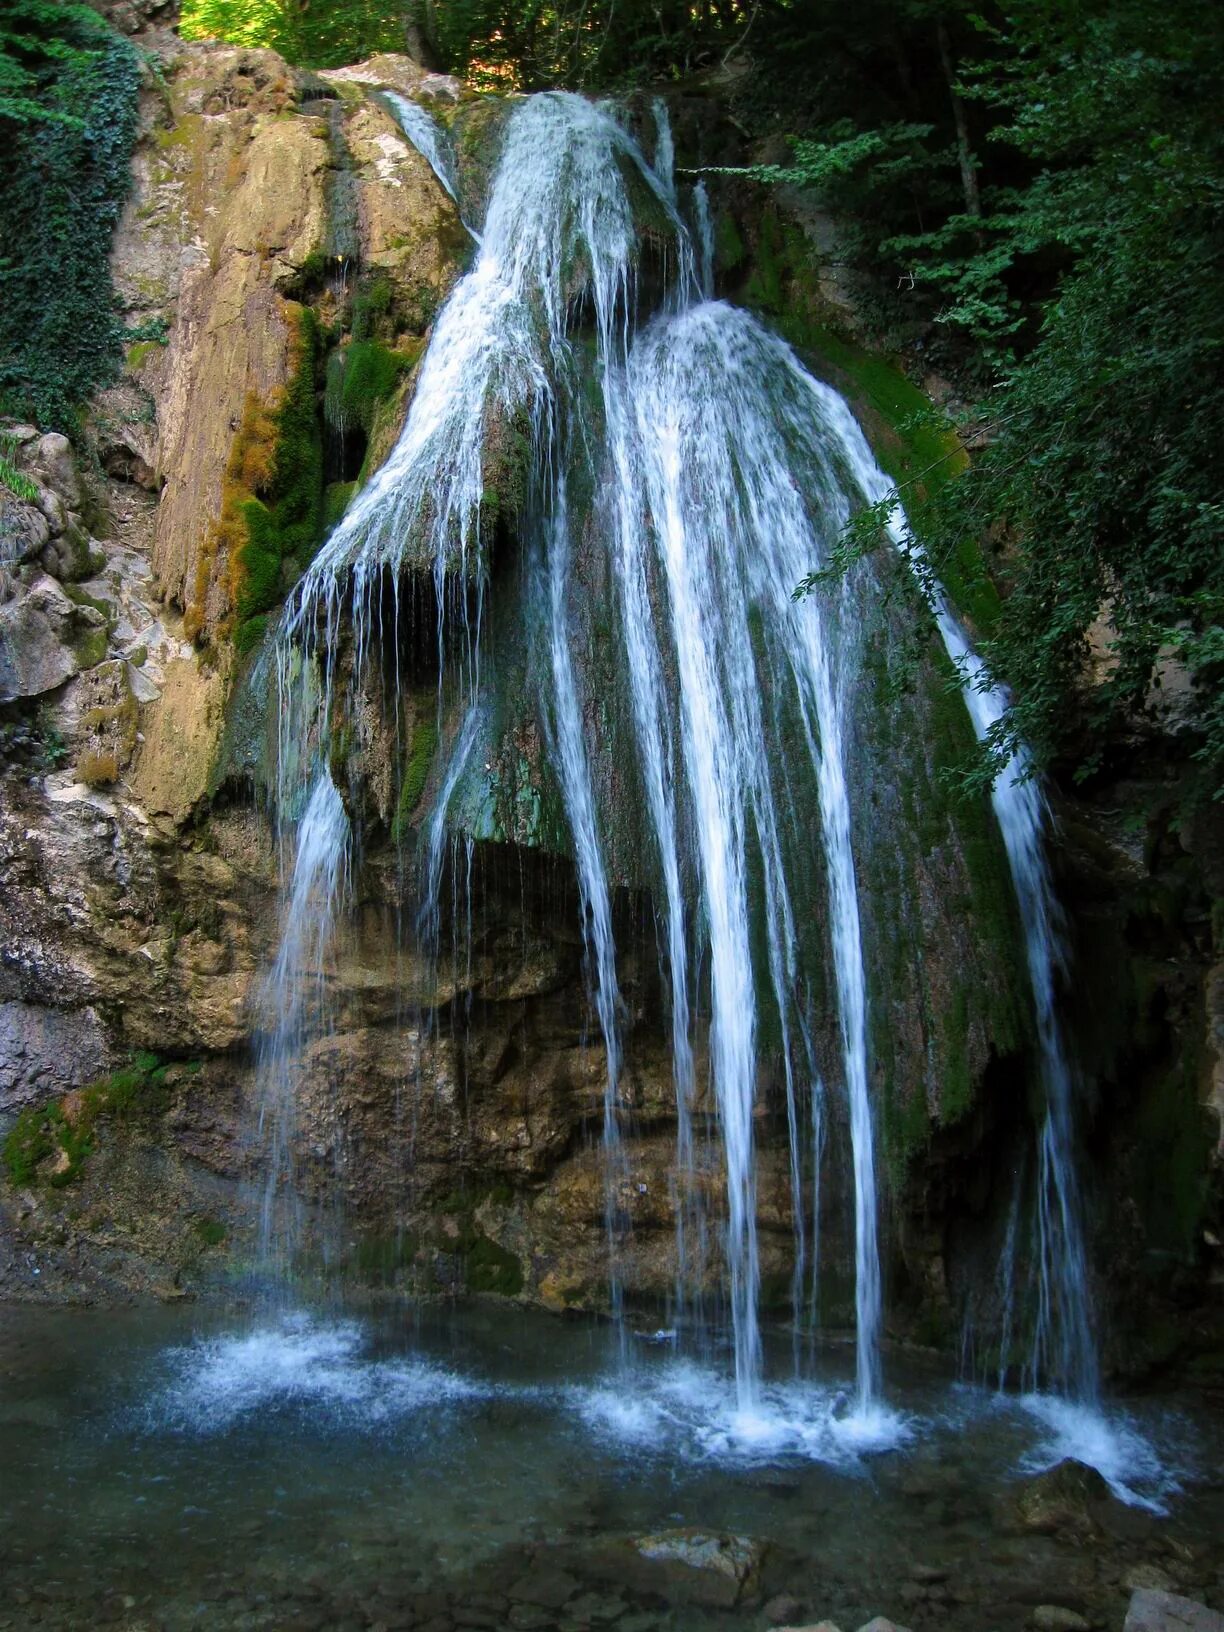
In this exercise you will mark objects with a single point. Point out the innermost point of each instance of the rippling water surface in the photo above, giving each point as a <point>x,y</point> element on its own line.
<point>176,1468</point>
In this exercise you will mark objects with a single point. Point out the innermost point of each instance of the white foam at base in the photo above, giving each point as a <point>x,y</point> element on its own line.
<point>692,1413</point>
<point>1109,1441</point>
<point>219,1382</point>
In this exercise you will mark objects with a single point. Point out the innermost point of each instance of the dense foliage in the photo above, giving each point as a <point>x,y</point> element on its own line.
<point>67,122</point>
<point>512,43</point>
<point>1059,219</point>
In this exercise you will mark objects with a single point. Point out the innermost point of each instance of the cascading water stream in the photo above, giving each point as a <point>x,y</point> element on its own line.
<point>1063,1349</point>
<point>294,994</point>
<point>704,223</point>
<point>717,474</point>
<point>735,473</point>
<point>719,497</point>
<point>432,142</point>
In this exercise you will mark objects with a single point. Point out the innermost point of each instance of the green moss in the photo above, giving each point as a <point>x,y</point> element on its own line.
<point>372,305</point>
<point>776,1289</point>
<point>1172,1155</point>
<point>360,376</point>
<point>926,831</point>
<point>920,453</point>
<point>336,497</point>
<point>490,1268</point>
<point>917,448</point>
<point>30,1141</point>
<point>769,265</point>
<point>728,245</point>
<point>250,633</point>
<point>79,597</point>
<point>210,1231</point>
<point>416,772</point>
<point>39,1135</point>
<point>139,354</point>
<point>283,526</point>
<point>90,648</point>
<point>136,1091</point>
<point>380,1259</point>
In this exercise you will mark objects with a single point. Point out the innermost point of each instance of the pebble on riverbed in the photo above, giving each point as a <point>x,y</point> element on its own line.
<point>879,1624</point>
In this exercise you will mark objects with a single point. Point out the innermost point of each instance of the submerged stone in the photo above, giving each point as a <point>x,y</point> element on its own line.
<point>1055,1618</point>
<point>1062,1500</point>
<point>1152,1611</point>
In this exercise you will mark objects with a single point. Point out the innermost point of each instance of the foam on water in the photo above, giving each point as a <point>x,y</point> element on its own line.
<point>299,1364</point>
<point>1109,1441</point>
<point>692,1413</point>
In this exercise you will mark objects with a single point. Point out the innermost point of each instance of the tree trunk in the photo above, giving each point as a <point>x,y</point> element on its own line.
<point>964,154</point>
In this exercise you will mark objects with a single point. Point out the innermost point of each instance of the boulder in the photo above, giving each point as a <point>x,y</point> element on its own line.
<point>24,529</point>
<point>1153,1611</point>
<point>1148,1578</point>
<point>1061,1500</point>
<point>701,1565</point>
<point>52,506</point>
<point>1056,1618</point>
<point>52,458</point>
<point>40,643</point>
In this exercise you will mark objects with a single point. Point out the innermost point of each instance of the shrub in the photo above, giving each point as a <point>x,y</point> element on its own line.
<point>97,770</point>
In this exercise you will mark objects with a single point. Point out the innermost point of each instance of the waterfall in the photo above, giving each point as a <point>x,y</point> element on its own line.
<point>665,148</point>
<point>1064,1348</point>
<point>708,473</point>
<point>431,141</point>
<point>564,720</point>
<point>293,994</point>
<point>704,223</point>
<point>716,486</point>
<point>735,470</point>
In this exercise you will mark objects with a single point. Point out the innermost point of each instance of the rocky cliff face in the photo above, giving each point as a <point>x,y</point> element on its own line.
<point>449,1117</point>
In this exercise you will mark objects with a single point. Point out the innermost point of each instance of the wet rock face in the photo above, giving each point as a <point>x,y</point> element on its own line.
<point>45,1052</point>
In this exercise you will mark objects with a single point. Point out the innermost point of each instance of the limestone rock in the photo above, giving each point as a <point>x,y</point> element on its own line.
<point>701,1565</point>
<point>1148,1577</point>
<point>1054,1618</point>
<point>781,1609</point>
<point>242,206</point>
<point>1152,1611</point>
<point>46,1051</point>
<point>1061,1500</point>
<point>40,646</point>
<point>24,529</point>
<point>182,738</point>
<point>410,226</point>
<point>52,506</point>
<point>53,460</point>
<point>390,69</point>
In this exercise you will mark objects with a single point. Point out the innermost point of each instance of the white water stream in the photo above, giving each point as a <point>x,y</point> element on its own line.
<point>723,474</point>
<point>293,999</point>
